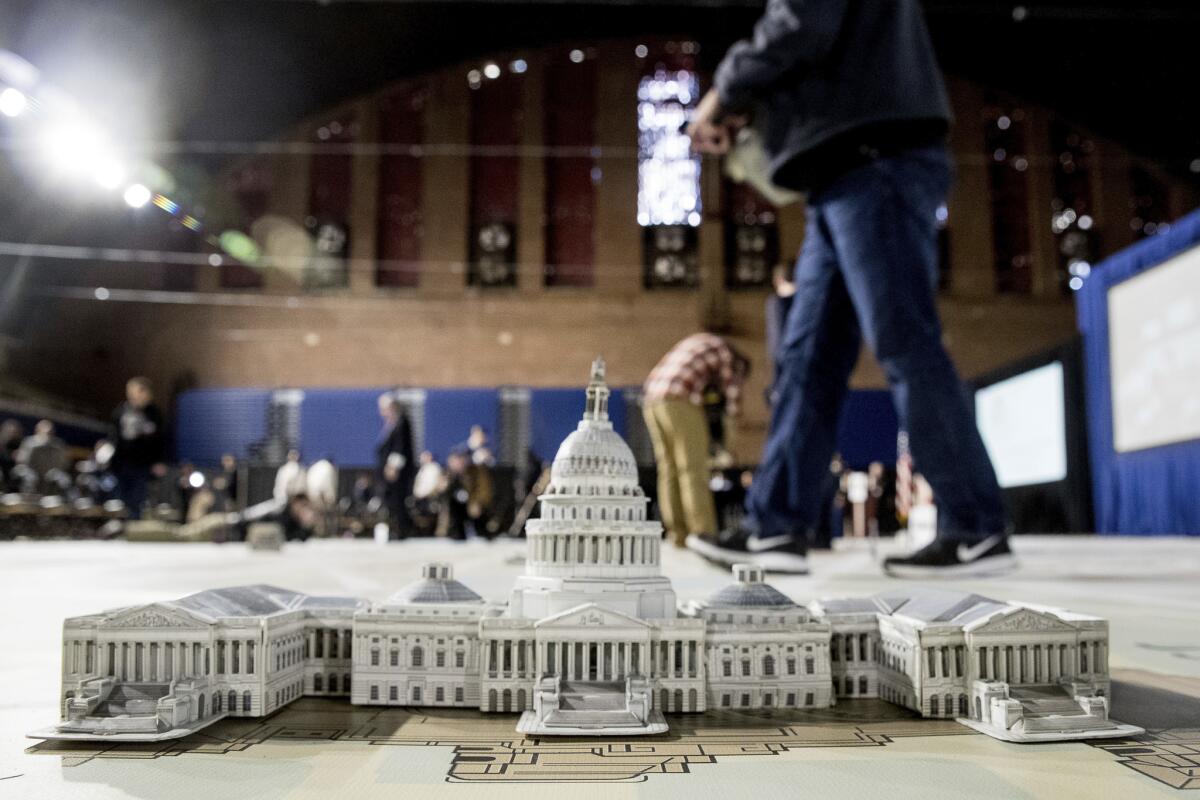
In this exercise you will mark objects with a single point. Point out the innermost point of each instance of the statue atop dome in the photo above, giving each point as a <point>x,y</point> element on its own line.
<point>597,394</point>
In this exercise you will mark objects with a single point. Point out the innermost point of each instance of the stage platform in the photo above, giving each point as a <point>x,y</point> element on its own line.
<point>319,748</point>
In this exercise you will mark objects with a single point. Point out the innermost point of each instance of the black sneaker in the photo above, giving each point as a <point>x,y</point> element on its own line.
<point>783,553</point>
<point>946,559</point>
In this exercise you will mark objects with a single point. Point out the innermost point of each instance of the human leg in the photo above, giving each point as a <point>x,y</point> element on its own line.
<point>882,222</point>
<point>690,441</point>
<point>819,349</point>
<point>670,506</point>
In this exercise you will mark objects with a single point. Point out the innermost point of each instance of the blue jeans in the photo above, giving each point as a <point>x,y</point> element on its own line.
<point>868,270</point>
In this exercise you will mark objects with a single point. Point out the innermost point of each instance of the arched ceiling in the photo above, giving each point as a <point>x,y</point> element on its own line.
<point>245,69</point>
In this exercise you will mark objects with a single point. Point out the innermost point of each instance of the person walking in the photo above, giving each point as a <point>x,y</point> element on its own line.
<point>673,407</point>
<point>852,111</point>
<point>140,444</point>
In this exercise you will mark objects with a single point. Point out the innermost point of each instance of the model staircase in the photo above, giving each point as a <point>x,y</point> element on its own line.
<point>1049,709</point>
<point>133,699</point>
<point>591,705</point>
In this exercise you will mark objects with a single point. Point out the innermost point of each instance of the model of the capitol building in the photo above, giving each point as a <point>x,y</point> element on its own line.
<point>592,641</point>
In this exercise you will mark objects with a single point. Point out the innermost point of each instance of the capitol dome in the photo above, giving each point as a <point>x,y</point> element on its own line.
<point>594,459</point>
<point>437,585</point>
<point>749,591</point>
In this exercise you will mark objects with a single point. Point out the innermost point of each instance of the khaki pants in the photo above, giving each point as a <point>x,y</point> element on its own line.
<point>679,431</point>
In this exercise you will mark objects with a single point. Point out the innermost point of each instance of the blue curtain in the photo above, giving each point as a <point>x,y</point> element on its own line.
<point>1154,491</point>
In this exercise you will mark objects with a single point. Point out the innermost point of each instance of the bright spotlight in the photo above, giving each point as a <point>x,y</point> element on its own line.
<point>110,174</point>
<point>491,71</point>
<point>196,480</point>
<point>73,147</point>
<point>137,195</point>
<point>12,102</point>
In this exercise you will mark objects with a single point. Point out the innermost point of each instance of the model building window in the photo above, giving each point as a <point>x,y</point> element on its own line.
<point>458,694</point>
<point>439,695</point>
<point>460,659</point>
<point>418,657</point>
<point>440,658</point>
<point>416,694</point>
<point>245,702</point>
<point>808,699</point>
<point>768,700</point>
<point>727,667</point>
<point>496,110</point>
<point>809,666</point>
<point>668,179</point>
<point>768,665</point>
<point>393,693</point>
<point>745,701</point>
<point>374,656</point>
<point>725,701</point>
<point>862,684</point>
<point>933,706</point>
<point>394,657</point>
<point>374,692</point>
<point>328,220</point>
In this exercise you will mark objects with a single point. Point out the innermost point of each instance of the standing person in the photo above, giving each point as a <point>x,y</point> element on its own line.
<point>853,112</point>
<point>225,483</point>
<point>140,445</point>
<point>395,465</point>
<point>673,407</point>
<point>291,479</point>
<point>11,435</point>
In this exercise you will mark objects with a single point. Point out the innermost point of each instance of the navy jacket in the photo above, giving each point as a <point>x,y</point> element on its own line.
<point>835,82</point>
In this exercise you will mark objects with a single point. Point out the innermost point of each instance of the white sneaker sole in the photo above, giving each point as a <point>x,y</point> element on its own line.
<point>982,568</point>
<point>771,561</point>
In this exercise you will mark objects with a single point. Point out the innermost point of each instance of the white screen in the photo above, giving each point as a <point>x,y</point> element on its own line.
<point>1022,421</point>
<point>1154,346</point>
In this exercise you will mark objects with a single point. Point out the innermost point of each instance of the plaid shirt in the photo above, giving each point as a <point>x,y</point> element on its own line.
<point>699,361</point>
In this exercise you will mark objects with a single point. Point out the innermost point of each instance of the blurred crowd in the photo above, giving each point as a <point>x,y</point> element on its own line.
<point>126,481</point>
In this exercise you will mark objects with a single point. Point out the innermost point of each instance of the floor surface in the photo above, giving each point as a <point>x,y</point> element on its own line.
<point>1149,589</point>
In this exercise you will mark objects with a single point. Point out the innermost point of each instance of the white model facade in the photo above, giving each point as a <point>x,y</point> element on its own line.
<point>591,640</point>
<point>167,669</point>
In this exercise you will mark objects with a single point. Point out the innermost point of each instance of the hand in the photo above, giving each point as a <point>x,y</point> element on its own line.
<point>707,130</point>
<point>158,470</point>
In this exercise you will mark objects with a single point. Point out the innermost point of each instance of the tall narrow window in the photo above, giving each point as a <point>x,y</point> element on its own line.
<point>250,186</point>
<point>1071,209</point>
<point>571,168</point>
<point>668,178</point>
<point>1005,146</point>
<point>495,176</point>
<point>328,222</point>
<point>751,237</point>
<point>399,223</point>
<point>1150,205</point>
